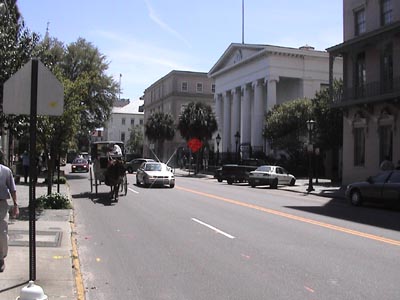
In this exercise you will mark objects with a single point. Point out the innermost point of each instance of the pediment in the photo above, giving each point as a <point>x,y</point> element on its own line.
<point>236,54</point>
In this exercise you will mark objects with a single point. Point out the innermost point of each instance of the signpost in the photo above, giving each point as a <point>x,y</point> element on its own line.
<point>31,91</point>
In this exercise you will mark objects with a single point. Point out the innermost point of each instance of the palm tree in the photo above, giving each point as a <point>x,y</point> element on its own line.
<point>160,127</point>
<point>197,121</point>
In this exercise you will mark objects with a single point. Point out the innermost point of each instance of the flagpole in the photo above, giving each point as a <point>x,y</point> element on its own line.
<point>242,21</point>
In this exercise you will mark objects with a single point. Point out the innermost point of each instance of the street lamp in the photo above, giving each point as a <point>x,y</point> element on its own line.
<point>310,128</point>
<point>237,139</point>
<point>218,140</point>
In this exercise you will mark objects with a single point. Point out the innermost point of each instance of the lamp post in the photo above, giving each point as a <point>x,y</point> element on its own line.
<point>218,140</point>
<point>310,128</point>
<point>237,139</point>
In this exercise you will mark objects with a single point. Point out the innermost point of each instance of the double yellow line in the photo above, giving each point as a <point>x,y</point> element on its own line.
<point>297,218</point>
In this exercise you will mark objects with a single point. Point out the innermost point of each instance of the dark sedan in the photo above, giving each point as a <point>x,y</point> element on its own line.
<point>134,164</point>
<point>383,188</point>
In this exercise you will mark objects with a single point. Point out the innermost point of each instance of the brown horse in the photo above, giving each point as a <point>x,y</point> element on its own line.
<point>114,176</point>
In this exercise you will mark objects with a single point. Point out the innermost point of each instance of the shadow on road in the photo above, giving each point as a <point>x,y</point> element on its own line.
<point>369,215</point>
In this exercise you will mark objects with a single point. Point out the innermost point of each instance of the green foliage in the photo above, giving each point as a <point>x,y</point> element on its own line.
<point>329,120</point>
<point>286,124</point>
<point>197,121</point>
<point>135,141</point>
<point>53,201</point>
<point>17,44</point>
<point>160,127</point>
<point>61,180</point>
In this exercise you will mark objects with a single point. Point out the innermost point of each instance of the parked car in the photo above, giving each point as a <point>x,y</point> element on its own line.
<point>79,165</point>
<point>271,175</point>
<point>383,188</point>
<point>237,172</point>
<point>134,164</point>
<point>155,173</point>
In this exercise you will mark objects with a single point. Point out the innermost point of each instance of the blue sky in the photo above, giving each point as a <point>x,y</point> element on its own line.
<point>145,39</point>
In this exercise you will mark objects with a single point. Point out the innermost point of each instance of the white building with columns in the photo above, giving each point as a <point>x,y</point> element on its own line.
<point>250,79</point>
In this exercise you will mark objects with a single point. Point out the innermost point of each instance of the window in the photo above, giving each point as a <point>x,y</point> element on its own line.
<point>199,87</point>
<point>359,146</point>
<point>141,122</point>
<point>360,75</point>
<point>184,86</point>
<point>386,12</point>
<point>213,88</point>
<point>123,121</point>
<point>385,143</point>
<point>359,17</point>
<point>132,122</point>
<point>123,136</point>
<point>387,69</point>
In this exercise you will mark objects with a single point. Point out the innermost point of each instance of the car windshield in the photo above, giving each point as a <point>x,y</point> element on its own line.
<point>153,167</point>
<point>79,161</point>
<point>264,169</point>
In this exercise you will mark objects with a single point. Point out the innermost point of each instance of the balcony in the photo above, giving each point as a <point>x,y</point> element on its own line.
<point>371,92</point>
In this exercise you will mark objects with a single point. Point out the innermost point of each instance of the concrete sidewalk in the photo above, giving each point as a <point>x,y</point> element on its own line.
<point>54,260</point>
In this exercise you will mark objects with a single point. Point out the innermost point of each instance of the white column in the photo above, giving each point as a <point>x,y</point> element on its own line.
<point>219,111</point>
<point>245,117</point>
<point>236,94</point>
<point>226,134</point>
<point>271,91</point>
<point>258,114</point>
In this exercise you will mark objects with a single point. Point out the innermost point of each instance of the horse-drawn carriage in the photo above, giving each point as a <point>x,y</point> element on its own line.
<point>108,167</point>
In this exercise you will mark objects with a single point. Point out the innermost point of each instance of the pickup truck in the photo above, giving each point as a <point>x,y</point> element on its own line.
<point>238,172</point>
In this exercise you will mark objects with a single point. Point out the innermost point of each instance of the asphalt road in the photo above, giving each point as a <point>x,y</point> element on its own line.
<point>208,240</point>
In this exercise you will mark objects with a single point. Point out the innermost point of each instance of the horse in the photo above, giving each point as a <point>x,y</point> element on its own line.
<point>114,175</point>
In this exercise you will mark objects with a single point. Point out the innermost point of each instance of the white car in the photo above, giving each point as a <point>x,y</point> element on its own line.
<point>155,173</point>
<point>271,175</point>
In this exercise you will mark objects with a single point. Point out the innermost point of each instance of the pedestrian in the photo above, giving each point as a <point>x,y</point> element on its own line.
<point>386,164</point>
<point>25,164</point>
<point>7,188</point>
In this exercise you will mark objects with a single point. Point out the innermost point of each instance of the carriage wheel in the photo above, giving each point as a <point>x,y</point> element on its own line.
<point>125,185</point>
<point>91,179</point>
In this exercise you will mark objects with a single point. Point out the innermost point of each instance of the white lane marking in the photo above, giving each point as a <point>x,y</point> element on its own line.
<point>213,228</point>
<point>132,190</point>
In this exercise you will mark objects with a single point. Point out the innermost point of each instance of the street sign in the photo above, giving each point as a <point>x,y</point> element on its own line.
<point>17,92</point>
<point>195,145</point>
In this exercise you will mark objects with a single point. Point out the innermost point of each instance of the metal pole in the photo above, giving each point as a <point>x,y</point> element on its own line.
<point>310,183</point>
<point>242,21</point>
<point>33,171</point>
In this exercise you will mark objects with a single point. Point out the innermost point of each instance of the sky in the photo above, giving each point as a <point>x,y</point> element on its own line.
<point>143,40</point>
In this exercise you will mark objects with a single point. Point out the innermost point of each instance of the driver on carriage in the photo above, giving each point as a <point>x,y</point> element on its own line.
<point>113,150</point>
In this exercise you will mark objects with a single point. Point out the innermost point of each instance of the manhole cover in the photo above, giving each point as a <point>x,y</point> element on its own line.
<point>43,238</point>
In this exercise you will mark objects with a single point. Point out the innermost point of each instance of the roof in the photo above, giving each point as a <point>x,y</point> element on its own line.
<point>131,108</point>
<point>257,50</point>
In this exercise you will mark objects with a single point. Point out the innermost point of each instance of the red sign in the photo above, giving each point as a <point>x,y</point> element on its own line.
<point>195,145</point>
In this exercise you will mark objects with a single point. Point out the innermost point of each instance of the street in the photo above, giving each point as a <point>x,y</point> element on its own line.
<point>209,240</point>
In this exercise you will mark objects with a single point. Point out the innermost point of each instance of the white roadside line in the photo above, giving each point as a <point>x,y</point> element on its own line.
<point>132,190</point>
<point>213,228</point>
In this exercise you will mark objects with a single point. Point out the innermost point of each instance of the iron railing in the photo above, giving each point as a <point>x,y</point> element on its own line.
<point>371,91</point>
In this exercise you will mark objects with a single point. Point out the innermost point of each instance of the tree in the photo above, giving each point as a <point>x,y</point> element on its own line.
<point>135,141</point>
<point>197,121</point>
<point>158,128</point>
<point>83,62</point>
<point>17,44</point>
<point>329,120</point>
<point>285,124</point>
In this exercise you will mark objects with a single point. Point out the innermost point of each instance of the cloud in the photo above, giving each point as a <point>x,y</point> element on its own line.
<point>153,16</point>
